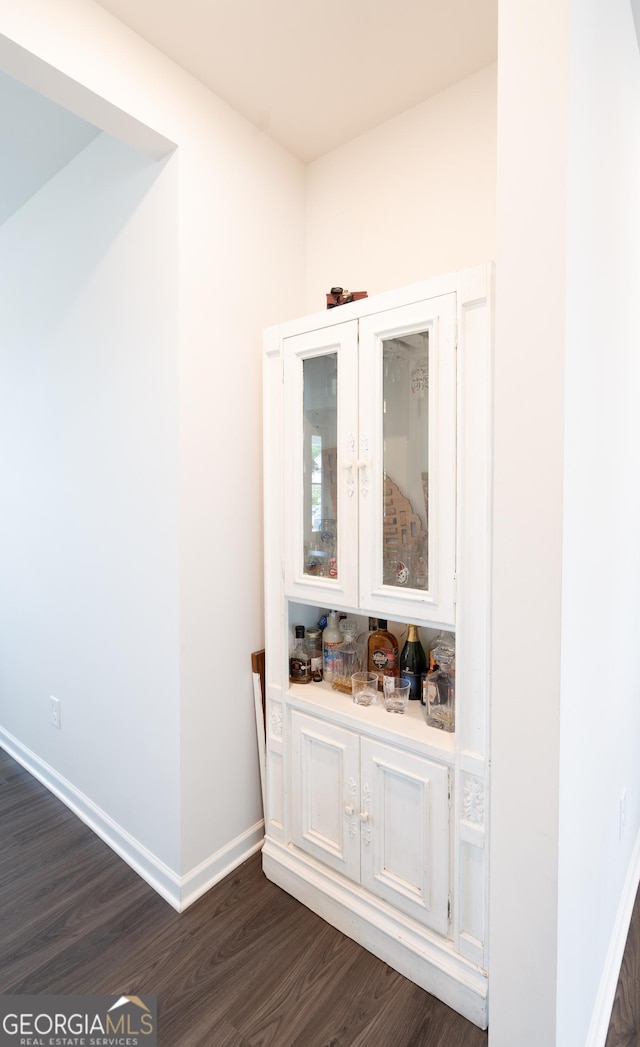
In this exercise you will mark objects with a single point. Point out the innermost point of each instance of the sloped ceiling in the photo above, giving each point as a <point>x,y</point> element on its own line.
<point>315,75</point>
<point>310,75</point>
<point>37,139</point>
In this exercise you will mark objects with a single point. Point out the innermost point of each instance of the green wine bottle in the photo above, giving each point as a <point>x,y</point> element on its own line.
<point>413,663</point>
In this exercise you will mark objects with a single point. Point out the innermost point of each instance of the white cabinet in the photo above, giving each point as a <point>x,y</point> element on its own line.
<point>377,465</point>
<point>374,812</point>
<point>370,462</point>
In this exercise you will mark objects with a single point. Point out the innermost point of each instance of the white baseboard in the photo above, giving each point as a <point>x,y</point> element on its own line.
<point>204,876</point>
<point>601,1015</point>
<point>178,891</point>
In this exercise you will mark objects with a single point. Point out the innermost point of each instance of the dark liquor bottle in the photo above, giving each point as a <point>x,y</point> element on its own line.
<point>299,659</point>
<point>413,663</point>
<point>314,647</point>
<point>383,652</point>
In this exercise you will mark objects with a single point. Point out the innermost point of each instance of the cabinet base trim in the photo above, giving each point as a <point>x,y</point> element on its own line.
<point>415,953</point>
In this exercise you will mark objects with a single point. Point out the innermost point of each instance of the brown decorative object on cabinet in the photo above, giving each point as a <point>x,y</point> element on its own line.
<point>338,296</point>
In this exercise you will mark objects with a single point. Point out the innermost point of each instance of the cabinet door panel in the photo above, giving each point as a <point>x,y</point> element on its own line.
<point>320,444</point>
<point>407,457</point>
<point>405,838</point>
<point>325,793</point>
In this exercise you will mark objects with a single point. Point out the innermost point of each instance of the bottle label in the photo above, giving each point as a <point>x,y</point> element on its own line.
<point>414,680</point>
<point>299,670</point>
<point>330,656</point>
<point>432,693</point>
<point>316,668</point>
<point>383,659</point>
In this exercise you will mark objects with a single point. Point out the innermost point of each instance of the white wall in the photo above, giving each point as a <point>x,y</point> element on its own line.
<point>38,139</point>
<point>89,461</point>
<point>600,710</point>
<point>527,519</point>
<point>239,256</point>
<point>566,606</point>
<point>240,202</point>
<point>414,197</point>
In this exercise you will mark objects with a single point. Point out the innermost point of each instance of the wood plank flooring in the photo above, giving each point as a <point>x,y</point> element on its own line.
<point>245,966</point>
<point>624,1027</point>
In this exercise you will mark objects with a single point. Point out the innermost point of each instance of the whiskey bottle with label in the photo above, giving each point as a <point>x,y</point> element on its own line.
<point>299,659</point>
<point>382,652</point>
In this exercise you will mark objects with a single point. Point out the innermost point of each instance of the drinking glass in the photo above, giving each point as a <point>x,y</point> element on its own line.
<point>364,687</point>
<point>396,694</point>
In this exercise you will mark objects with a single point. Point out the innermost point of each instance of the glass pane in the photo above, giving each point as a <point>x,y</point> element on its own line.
<point>320,392</point>
<point>405,394</point>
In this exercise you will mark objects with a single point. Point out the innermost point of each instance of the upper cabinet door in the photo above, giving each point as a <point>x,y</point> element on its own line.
<point>320,454</point>
<point>407,461</point>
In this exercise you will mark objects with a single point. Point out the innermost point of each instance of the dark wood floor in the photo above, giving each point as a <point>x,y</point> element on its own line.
<point>624,1027</point>
<point>245,966</point>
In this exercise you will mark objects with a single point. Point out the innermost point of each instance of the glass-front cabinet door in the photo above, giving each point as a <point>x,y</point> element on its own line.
<point>320,482</point>
<point>408,453</point>
<point>370,453</point>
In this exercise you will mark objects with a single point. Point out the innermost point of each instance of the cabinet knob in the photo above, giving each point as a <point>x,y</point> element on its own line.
<point>348,809</point>
<point>364,816</point>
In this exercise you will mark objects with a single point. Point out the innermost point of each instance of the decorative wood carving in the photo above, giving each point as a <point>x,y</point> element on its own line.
<point>275,721</point>
<point>473,799</point>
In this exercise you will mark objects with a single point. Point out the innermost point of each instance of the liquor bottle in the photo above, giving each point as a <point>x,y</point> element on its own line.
<point>363,638</point>
<point>331,640</point>
<point>314,647</point>
<point>446,643</point>
<point>382,652</point>
<point>444,640</point>
<point>299,660</point>
<point>441,690</point>
<point>413,663</point>
<point>346,661</point>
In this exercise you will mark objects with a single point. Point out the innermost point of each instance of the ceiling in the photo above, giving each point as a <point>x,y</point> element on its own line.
<point>315,75</point>
<point>37,139</point>
<point>312,76</point>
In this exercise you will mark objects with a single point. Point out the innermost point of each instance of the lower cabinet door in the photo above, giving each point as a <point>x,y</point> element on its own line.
<point>325,793</point>
<point>404,802</point>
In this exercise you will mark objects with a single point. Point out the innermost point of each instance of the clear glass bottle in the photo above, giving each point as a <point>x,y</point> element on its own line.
<point>363,638</point>
<point>331,640</point>
<point>314,647</point>
<point>382,652</point>
<point>445,641</point>
<point>346,659</point>
<point>413,663</point>
<point>441,690</point>
<point>299,660</point>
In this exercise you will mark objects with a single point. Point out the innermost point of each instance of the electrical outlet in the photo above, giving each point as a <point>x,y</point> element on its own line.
<point>54,711</point>
<point>623,810</point>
